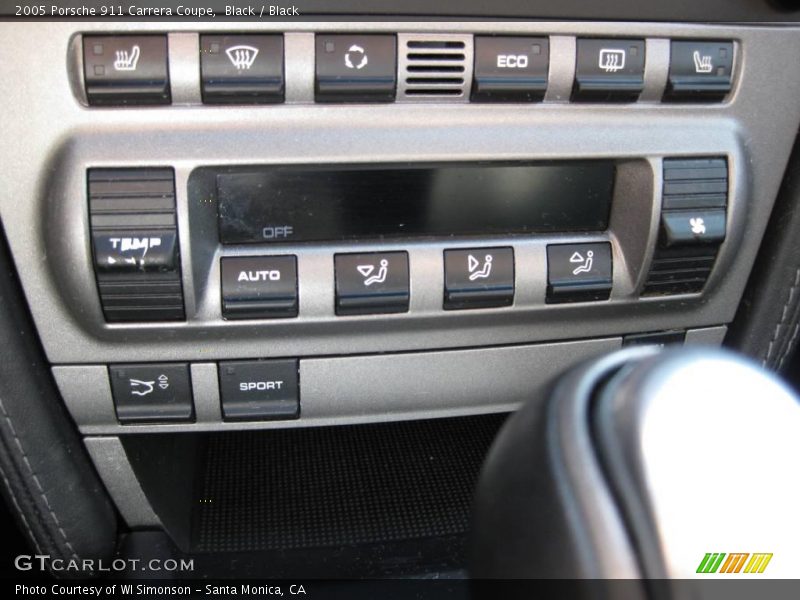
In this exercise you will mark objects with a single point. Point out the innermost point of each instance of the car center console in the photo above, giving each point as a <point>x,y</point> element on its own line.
<point>236,237</point>
<point>329,223</point>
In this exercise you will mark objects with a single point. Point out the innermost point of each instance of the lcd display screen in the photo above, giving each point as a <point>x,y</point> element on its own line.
<point>300,204</point>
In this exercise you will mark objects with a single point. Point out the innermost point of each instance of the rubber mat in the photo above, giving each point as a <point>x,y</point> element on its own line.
<point>339,486</point>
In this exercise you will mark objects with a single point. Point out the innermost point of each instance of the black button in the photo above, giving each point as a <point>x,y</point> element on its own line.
<point>373,283</point>
<point>242,69</point>
<point>578,272</point>
<point>699,71</point>
<point>152,392</point>
<point>259,286</point>
<point>356,68</point>
<point>659,338</point>
<point>126,69</point>
<point>689,227</point>
<point>510,69</point>
<point>478,278</point>
<point>131,252</point>
<point>609,70</point>
<point>259,389</point>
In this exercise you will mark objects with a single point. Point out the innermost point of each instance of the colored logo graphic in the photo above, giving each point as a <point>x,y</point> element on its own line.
<point>717,562</point>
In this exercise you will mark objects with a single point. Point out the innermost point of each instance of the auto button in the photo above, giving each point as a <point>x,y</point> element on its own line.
<point>259,287</point>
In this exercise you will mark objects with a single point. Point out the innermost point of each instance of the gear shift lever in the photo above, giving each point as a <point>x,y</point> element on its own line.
<point>639,465</point>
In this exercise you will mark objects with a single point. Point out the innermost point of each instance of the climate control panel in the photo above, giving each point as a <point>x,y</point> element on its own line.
<point>413,218</point>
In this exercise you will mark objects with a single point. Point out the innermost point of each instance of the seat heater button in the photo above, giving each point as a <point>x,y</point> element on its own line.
<point>126,69</point>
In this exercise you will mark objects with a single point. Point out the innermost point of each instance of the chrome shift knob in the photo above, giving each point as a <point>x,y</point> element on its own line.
<point>703,449</point>
<point>646,464</point>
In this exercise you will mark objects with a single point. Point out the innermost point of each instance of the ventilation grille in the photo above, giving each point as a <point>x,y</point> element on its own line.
<point>680,270</point>
<point>434,68</point>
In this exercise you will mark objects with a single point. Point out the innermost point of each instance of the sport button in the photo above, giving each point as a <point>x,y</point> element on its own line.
<point>259,389</point>
<point>478,278</point>
<point>578,272</point>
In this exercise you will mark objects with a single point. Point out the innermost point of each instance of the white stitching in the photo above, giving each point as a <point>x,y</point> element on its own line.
<point>788,348</point>
<point>781,322</point>
<point>36,480</point>
<point>20,513</point>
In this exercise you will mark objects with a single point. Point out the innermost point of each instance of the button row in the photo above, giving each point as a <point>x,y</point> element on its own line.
<point>378,282</point>
<point>249,69</point>
<point>250,390</point>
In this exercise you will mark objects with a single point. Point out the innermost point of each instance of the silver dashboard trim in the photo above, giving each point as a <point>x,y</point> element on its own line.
<point>358,389</point>
<point>115,470</point>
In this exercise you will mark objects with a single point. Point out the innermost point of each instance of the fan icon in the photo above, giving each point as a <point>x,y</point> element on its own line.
<point>698,225</point>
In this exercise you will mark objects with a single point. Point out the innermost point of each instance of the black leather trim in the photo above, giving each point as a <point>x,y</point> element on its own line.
<point>47,477</point>
<point>767,323</point>
<point>543,507</point>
